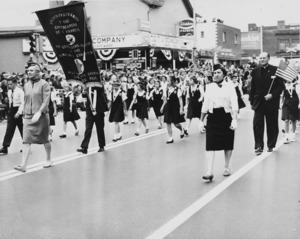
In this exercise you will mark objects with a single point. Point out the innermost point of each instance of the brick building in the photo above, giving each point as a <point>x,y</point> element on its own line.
<point>279,41</point>
<point>224,40</point>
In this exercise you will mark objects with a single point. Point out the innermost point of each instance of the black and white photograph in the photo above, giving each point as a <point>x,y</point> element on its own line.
<point>149,119</point>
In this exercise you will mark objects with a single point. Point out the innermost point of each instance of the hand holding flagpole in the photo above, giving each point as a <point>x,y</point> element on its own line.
<point>269,96</point>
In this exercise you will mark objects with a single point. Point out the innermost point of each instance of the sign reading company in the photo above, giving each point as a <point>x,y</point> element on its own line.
<point>119,41</point>
<point>186,27</point>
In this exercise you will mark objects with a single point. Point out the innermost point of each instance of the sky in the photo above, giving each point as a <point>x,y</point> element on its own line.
<point>235,13</point>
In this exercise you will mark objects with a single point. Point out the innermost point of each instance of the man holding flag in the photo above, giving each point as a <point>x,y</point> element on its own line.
<point>266,88</point>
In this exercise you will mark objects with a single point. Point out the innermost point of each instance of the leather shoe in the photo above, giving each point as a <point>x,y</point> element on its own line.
<point>82,150</point>
<point>63,136</point>
<point>101,149</point>
<point>170,141</point>
<point>19,168</point>
<point>186,132</point>
<point>258,151</point>
<point>208,177</point>
<point>3,150</point>
<point>270,150</point>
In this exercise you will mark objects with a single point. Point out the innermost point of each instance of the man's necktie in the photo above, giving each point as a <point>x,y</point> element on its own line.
<point>12,99</point>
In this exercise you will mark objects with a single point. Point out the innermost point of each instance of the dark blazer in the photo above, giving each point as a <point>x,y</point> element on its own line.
<point>260,88</point>
<point>101,105</point>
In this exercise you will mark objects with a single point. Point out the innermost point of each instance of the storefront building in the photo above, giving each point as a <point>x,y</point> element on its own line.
<point>224,41</point>
<point>141,34</point>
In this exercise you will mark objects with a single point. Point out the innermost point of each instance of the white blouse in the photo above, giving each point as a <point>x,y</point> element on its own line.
<point>220,97</point>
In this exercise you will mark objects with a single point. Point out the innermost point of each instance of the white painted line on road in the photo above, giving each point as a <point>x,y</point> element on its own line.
<point>187,213</point>
<point>38,166</point>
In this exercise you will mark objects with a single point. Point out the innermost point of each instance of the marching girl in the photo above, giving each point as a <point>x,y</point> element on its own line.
<point>194,97</point>
<point>150,87</point>
<point>290,111</point>
<point>52,110</point>
<point>117,103</point>
<point>239,92</point>
<point>173,109</point>
<point>156,95</point>
<point>70,113</point>
<point>130,90</point>
<point>141,107</point>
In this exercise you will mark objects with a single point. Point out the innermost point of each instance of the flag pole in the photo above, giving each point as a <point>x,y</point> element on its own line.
<point>273,77</point>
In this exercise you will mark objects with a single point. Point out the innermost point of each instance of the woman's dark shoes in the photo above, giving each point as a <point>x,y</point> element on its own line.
<point>82,150</point>
<point>19,168</point>
<point>101,149</point>
<point>63,136</point>
<point>181,135</point>
<point>3,150</point>
<point>119,138</point>
<point>186,132</point>
<point>170,141</point>
<point>208,177</point>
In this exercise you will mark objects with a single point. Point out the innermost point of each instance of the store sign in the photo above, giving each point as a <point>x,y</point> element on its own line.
<point>143,25</point>
<point>250,40</point>
<point>226,53</point>
<point>119,41</point>
<point>171,42</point>
<point>186,27</point>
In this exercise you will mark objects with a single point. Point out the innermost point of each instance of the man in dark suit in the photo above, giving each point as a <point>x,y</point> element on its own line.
<point>265,98</point>
<point>15,111</point>
<point>96,105</point>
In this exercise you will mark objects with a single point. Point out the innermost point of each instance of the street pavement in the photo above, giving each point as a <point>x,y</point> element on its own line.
<point>140,187</point>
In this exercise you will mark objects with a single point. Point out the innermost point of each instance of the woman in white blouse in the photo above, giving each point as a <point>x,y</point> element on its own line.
<point>221,106</point>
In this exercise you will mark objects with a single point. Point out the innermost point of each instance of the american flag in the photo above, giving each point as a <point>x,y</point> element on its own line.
<point>286,72</point>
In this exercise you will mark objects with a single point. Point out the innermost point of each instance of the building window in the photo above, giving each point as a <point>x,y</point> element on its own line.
<point>202,34</point>
<point>295,43</point>
<point>235,39</point>
<point>283,44</point>
<point>224,37</point>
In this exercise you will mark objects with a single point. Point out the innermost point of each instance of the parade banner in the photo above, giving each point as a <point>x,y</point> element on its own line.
<point>66,29</point>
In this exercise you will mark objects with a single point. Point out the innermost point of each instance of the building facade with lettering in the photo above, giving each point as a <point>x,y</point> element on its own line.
<point>223,40</point>
<point>140,33</point>
<point>280,41</point>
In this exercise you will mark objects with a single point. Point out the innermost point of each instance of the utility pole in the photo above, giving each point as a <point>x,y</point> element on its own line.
<point>195,34</point>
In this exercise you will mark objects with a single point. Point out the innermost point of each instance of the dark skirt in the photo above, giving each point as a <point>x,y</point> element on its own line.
<point>194,109</point>
<point>290,110</point>
<point>157,107</point>
<point>142,110</point>
<point>172,114</point>
<point>218,134</point>
<point>71,115</point>
<point>116,113</point>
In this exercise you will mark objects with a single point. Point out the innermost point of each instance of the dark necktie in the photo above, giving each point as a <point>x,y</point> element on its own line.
<point>12,99</point>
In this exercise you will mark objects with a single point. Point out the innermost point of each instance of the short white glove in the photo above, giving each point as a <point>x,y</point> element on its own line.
<point>233,125</point>
<point>36,117</point>
<point>201,127</point>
